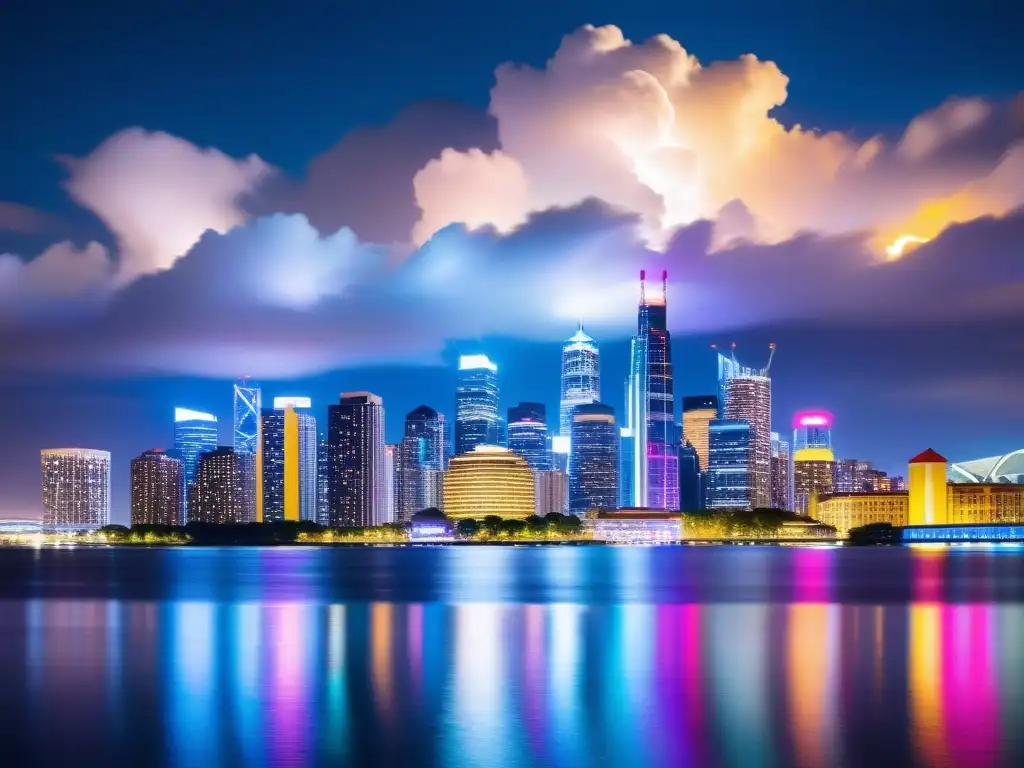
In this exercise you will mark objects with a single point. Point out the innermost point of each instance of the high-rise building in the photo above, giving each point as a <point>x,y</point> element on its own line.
<point>357,478</point>
<point>248,406</point>
<point>581,377</point>
<point>651,406</point>
<point>729,482</point>
<point>76,488</point>
<point>559,453</point>
<point>551,492</point>
<point>594,460</point>
<point>698,412</point>
<point>528,434</point>
<point>420,464</point>
<point>219,493</point>
<point>158,489</point>
<point>476,403</point>
<point>489,480</point>
<point>812,429</point>
<point>391,451</point>
<point>626,446</point>
<point>813,460</point>
<point>323,469</point>
<point>287,462</point>
<point>746,395</point>
<point>690,484</point>
<point>853,476</point>
<point>782,486</point>
<point>195,432</point>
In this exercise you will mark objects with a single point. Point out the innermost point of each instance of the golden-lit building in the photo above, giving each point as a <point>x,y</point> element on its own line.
<point>489,480</point>
<point>844,511</point>
<point>698,413</point>
<point>926,484</point>
<point>812,475</point>
<point>985,503</point>
<point>286,468</point>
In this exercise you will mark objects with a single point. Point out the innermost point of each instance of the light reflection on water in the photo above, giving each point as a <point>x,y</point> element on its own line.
<point>514,656</point>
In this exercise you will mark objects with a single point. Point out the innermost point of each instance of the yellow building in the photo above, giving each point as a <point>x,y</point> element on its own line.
<point>812,475</point>
<point>844,511</point>
<point>488,481</point>
<point>985,503</point>
<point>698,413</point>
<point>926,483</point>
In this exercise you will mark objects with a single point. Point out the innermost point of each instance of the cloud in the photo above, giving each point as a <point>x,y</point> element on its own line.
<point>15,217</point>
<point>61,281</point>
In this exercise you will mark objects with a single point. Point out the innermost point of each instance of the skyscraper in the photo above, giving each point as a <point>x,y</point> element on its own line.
<point>219,493</point>
<point>195,432</point>
<point>594,460</point>
<point>746,395</point>
<point>782,487</point>
<point>729,481</point>
<point>323,468</point>
<point>812,429</point>
<point>287,462</point>
<point>476,403</point>
<point>391,463</point>
<point>158,489</point>
<point>853,476</point>
<point>247,409</point>
<point>626,446</point>
<point>691,495</point>
<point>488,481</point>
<point>528,434</point>
<point>698,411</point>
<point>420,464</point>
<point>581,377</point>
<point>551,492</point>
<point>355,440</point>
<point>76,488</point>
<point>651,406</point>
<point>813,461</point>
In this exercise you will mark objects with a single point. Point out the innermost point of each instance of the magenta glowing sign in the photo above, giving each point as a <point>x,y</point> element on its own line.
<point>812,419</point>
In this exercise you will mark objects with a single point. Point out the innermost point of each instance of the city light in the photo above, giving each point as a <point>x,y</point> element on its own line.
<point>187,414</point>
<point>281,403</point>
<point>474,362</point>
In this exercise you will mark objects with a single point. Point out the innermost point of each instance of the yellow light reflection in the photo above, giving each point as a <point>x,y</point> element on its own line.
<point>926,713</point>
<point>901,244</point>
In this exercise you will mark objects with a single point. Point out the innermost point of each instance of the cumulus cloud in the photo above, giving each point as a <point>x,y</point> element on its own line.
<point>15,217</point>
<point>62,280</point>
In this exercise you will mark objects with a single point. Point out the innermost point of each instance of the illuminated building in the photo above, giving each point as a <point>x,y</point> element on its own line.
<point>813,460</point>
<point>897,483</point>
<point>691,494</point>
<point>528,434</point>
<point>927,488</point>
<point>420,464</point>
<point>559,447</point>
<point>76,488</point>
<point>782,486</point>
<point>551,492</point>
<point>392,462</point>
<point>247,410</point>
<point>594,460</point>
<point>856,476</point>
<point>651,406</point>
<point>287,487</point>
<point>476,403</point>
<point>219,493</point>
<point>698,413</point>
<point>812,429</point>
<point>746,395</point>
<point>626,446</point>
<point>729,474</point>
<point>953,533</point>
<point>323,496</point>
<point>195,432</point>
<point>636,526</point>
<point>1008,468</point>
<point>158,489</point>
<point>489,480</point>
<point>975,503</point>
<point>581,377</point>
<point>355,439</point>
<point>844,511</point>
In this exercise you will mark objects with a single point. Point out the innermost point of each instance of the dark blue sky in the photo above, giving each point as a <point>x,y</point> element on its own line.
<point>287,83</point>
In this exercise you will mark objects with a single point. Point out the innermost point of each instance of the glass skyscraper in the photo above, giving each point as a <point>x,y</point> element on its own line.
<point>594,460</point>
<point>690,493</point>
<point>355,439</point>
<point>528,434</point>
<point>195,432</point>
<point>782,485</point>
<point>476,403</point>
<point>581,377</point>
<point>698,412</point>
<point>420,463</point>
<point>651,406</point>
<point>323,496</point>
<point>746,395</point>
<point>729,482</point>
<point>287,462</point>
<point>248,406</point>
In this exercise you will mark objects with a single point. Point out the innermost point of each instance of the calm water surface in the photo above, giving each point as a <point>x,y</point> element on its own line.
<point>512,656</point>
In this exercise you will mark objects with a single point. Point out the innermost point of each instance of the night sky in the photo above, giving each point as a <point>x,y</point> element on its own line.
<point>338,196</point>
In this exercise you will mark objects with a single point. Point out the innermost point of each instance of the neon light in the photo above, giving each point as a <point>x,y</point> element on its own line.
<point>187,414</point>
<point>812,419</point>
<point>292,402</point>
<point>475,362</point>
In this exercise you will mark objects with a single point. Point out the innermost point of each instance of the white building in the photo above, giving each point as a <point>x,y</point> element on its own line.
<point>76,488</point>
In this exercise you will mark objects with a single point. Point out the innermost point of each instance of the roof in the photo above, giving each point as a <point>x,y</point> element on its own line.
<point>928,457</point>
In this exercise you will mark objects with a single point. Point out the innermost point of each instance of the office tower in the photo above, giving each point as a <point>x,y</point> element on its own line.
<point>625,468</point>
<point>420,463</point>
<point>489,480</point>
<point>594,459</point>
<point>323,496</point>
<point>248,407</point>
<point>812,429</point>
<point>158,489</point>
<point>691,495</point>
<point>220,492</point>
<point>651,406</point>
<point>782,495</point>
<point>581,377</point>
<point>746,395</point>
<point>76,488</point>
<point>476,403</point>
<point>897,483</point>
<point>551,492</point>
<point>528,434</point>
<point>357,474</point>
<point>813,461</point>
<point>391,460</point>
<point>729,483</point>
<point>926,484</point>
<point>698,412</point>
<point>287,462</point>
<point>559,453</point>
<point>502,432</point>
<point>853,476</point>
<point>195,432</point>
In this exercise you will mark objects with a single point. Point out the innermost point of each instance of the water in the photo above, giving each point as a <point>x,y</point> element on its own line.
<point>512,656</point>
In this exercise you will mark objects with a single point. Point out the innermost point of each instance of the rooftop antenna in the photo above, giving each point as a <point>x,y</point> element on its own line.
<point>643,276</point>
<point>771,356</point>
<point>732,346</point>
<point>664,285</point>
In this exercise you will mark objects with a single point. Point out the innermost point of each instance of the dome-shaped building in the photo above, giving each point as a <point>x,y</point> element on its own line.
<point>1008,468</point>
<point>488,481</point>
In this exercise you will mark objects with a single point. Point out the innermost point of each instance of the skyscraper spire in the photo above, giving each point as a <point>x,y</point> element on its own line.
<point>643,276</point>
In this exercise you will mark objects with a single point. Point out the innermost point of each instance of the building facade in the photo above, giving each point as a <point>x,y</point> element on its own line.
<point>76,488</point>
<point>651,406</point>
<point>594,460</point>
<point>845,511</point>
<point>581,378</point>
<point>698,412</point>
<point>782,485</point>
<point>356,477</point>
<point>551,492</point>
<point>420,463</point>
<point>746,395</point>
<point>287,464</point>
<point>476,403</point>
<point>323,488</point>
<point>158,489</point>
<point>691,490</point>
<point>489,480</point>
<point>528,434</point>
<point>195,432</point>
<point>729,482</point>
<point>220,493</point>
<point>929,500</point>
<point>812,476</point>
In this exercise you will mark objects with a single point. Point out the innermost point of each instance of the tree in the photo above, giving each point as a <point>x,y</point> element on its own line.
<point>492,524</point>
<point>538,526</point>
<point>468,527</point>
<point>512,527</point>
<point>116,533</point>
